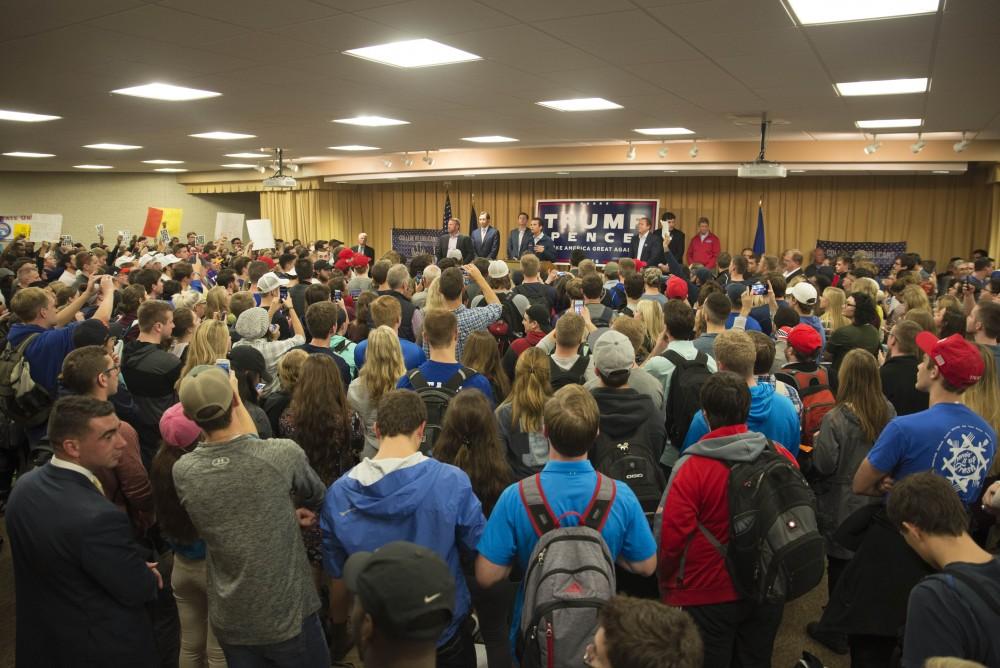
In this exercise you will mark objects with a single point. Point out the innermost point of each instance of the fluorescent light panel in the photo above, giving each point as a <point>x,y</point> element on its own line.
<point>413,53</point>
<point>168,92</point>
<point>248,155</point>
<point>890,123</point>
<point>29,154</point>
<point>169,169</point>
<point>883,87</point>
<point>93,167</point>
<point>163,162</point>
<point>810,12</point>
<point>581,104</point>
<point>219,134</point>
<point>662,132</point>
<point>489,139</point>
<point>25,117</point>
<point>354,147</point>
<point>239,165</point>
<point>113,147</point>
<point>371,121</point>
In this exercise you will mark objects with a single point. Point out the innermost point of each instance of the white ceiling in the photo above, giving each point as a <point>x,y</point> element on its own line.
<point>280,67</point>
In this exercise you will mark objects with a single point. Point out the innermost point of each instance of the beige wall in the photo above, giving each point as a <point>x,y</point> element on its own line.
<point>119,201</point>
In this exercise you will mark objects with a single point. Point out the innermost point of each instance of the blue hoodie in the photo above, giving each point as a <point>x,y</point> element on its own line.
<point>429,503</point>
<point>770,414</point>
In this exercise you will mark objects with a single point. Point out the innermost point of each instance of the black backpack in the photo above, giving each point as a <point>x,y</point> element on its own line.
<point>535,293</point>
<point>631,460</point>
<point>684,400</point>
<point>775,551</point>
<point>575,375</point>
<point>436,401</point>
<point>603,319</point>
<point>23,400</point>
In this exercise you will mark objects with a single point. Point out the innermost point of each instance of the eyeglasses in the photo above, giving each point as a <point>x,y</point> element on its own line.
<point>108,372</point>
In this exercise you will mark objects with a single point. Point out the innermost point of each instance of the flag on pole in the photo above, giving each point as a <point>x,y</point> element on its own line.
<point>473,219</point>
<point>447,213</point>
<point>758,239</point>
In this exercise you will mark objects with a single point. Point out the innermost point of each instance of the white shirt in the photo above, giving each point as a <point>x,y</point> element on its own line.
<point>704,236</point>
<point>70,466</point>
<point>642,242</point>
<point>789,273</point>
<point>452,241</point>
<point>520,239</point>
<point>68,277</point>
<point>370,471</point>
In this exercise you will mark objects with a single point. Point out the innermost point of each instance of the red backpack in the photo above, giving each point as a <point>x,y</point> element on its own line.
<point>817,400</point>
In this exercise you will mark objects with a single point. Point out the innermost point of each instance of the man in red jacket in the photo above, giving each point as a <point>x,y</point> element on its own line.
<point>691,570</point>
<point>705,246</point>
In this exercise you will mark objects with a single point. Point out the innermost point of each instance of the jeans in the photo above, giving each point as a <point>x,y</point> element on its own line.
<point>739,633</point>
<point>199,647</point>
<point>459,651</point>
<point>306,650</point>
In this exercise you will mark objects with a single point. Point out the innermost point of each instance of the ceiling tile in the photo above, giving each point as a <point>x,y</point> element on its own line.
<point>256,14</point>
<point>429,18</point>
<point>161,24</point>
<point>601,32</point>
<point>342,32</point>
<point>21,19</point>
<point>532,10</point>
<point>722,16</point>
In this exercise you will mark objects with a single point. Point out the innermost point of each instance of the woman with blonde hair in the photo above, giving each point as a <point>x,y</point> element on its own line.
<point>277,400</point>
<point>984,397</point>
<point>650,314</point>
<point>520,416</point>
<point>832,303</point>
<point>482,353</point>
<point>217,304</point>
<point>434,299</point>
<point>382,370</point>
<point>210,342</point>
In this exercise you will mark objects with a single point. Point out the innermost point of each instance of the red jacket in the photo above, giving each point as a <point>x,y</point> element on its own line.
<point>704,252</point>
<point>527,341</point>
<point>699,492</point>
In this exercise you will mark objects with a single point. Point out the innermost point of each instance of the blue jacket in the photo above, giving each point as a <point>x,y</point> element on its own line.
<point>770,414</point>
<point>46,353</point>
<point>430,504</point>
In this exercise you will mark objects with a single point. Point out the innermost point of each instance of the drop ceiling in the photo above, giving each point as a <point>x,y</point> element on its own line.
<point>280,67</point>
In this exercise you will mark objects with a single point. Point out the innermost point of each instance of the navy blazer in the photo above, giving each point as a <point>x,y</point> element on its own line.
<point>548,248</point>
<point>464,244</point>
<point>365,250</point>
<point>652,250</point>
<point>486,242</point>
<point>513,251</point>
<point>81,581</point>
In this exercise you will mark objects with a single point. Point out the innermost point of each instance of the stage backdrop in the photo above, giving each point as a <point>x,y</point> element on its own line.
<point>602,228</point>
<point>411,243</point>
<point>882,254</point>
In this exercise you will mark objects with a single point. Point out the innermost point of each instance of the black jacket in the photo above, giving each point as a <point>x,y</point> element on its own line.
<point>625,411</point>
<point>652,250</point>
<point>899,378</point>
<point>150,374</point>
<point>676,245</point>
<point>408,309</point>
<point>464,244</point>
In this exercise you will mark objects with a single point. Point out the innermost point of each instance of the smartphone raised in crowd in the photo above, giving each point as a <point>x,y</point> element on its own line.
<point>223,364</point>
<point>336,295</point>
<point>283,292</point>
<point>758,288</point>
<point>578,306</point>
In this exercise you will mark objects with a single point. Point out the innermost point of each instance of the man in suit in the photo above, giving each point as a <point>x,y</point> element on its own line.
<point>670,232</point>
<point>486,239</point>
<point>363,248</point>
<point>540,244</point>
<point>792,261</point>
<point>81,581</point>
<point>518,243</point>
<point>645,245</point>
<point>454,240</point>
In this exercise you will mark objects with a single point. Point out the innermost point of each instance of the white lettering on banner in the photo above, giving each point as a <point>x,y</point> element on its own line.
<point>633,220</point>
<point>614,221</point>
<point>549,218</point>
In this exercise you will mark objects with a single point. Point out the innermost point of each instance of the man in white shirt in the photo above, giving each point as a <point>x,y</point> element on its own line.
<point>363,248</point>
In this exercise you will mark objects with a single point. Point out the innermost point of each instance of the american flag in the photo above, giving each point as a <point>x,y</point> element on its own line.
<point>447,213</point>
<point>473,220</point>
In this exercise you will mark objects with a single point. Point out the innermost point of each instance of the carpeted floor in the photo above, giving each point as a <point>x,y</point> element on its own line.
<point>787,649</point>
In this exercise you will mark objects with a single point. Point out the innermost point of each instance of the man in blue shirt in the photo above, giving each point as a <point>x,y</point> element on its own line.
<point>386,311</point>
<point>571,419</point>
<point>441,334</point>
<point>803,300</point>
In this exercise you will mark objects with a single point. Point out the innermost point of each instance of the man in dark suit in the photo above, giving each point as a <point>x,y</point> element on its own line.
<point>80,579</point>
<point>675,236</point>
<point>486,239</point>
<point>792,261</point>
<point>540,244</point>
<point>452,240</point>
<point>363,248</point>
<point>645,245</point>
<point>518,243</point>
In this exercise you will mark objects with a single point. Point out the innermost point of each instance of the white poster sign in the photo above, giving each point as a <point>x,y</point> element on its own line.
<point>229,225</point>
<point>46,226</point>
<point>261,233</point>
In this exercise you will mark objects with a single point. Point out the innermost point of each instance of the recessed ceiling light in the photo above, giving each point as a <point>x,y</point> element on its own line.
<point>25,117</point>
<point>670,171</point>
<point>413,53</point>
<point>489,139</point>
<point>890,123</point>
<point>371,121</point>
<point>354,147</point>
<point>113,147</point>
<point>248,155</point>
<point>93,167</point>
<point>162,91</point>
<point>28,154</point>
<point>581,104</point>
<point>664,131</point>
<point>940,171</point>
<point>883,87</point>
<point>563,173</point>
<point>169,169</point>
<point>810,12</point>
<point>222,135</point>
<point>796,171</point>
<point>239,165</point>
<point>163,162</point>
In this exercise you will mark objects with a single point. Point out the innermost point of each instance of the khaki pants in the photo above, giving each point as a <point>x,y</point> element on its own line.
<point>199,648</point>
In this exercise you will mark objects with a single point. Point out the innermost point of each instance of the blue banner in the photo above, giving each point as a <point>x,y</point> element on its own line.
<point>411,243</point>
<point>882,254</point>
<point>602,228</point>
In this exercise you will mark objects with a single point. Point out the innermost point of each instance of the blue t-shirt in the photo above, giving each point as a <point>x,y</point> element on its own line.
<point>771,414</point>
<point>413,355</point>
<point>751,326</point>
<point>948,439</point>
<point>569,486</point>
<point>439,373</point>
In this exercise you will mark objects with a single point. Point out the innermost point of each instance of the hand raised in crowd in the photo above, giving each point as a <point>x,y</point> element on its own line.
<point>159,578</point>
<point>107,285</point>
<point>473,271</point>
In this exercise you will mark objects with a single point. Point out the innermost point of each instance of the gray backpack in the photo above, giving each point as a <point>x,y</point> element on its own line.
<point>569,578</point>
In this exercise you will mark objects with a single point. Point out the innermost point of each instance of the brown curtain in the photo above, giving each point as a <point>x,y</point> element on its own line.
<point>938,216</point>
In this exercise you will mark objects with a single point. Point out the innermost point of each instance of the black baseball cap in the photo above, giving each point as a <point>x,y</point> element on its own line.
<point>540,314</point>
<point>322,265</point>
<point>406,588</point>
<point>247,358</point>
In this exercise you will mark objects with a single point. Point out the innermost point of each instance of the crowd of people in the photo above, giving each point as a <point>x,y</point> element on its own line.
<point>218,455</point>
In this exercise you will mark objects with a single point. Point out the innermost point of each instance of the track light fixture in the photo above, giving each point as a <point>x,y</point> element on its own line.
<point>962,145</point>
<point>630,151</point>
<point>874,146</point>
<point>407,160</point>
<point>663,150</point>
<point>387,163</point>
<point>919,145</point>
<point>694,148</point>
<point>261,168</point>
<point>427,158</point>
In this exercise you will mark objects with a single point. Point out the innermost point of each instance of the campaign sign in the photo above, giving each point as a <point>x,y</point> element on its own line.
<point>601,227</point>
<point>882,254</point>
<point>411,243</point>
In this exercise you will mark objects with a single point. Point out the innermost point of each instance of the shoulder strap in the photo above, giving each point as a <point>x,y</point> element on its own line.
<point>976,589</point>
<point>596,515</point>
<point>580,365</point>
<point>417,379</point>
<point>674,357</point>
<point>536,505</point>
<point>24,344</point>
<point>458,378</point>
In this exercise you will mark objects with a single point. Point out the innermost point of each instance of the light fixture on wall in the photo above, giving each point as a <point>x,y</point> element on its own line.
<point>387,163</point>
<point>962,145</point>
<point>694,148</point>
<point>427,158</point>
<point>407,160</point>
<point>874,146</point>
<point>918,145</point>
<point>663,150</point>
<point>630,151</point>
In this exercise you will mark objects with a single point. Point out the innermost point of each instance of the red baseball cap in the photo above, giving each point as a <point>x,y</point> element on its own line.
<point>640,265</point>
<point>677,288</point>
<point>958,360</point>
<point>342,265</point>
<point>359,260</point>
<point>266,259</point>
<point>804,339</point>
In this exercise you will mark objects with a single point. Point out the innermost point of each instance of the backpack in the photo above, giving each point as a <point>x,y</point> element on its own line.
<point>573,375</point>
<point>775,550</point>
<point>684,400</point>
<point>535,297</point>
<point>603,319</point>
<point>817,400</point>
<point>631,461</point>
<point>26,402</point>
<point>509,327</point>
<point>569,578</point>
<point>436,401</point>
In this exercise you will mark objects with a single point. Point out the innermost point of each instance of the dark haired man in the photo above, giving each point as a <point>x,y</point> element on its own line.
<point>640,633</point>
<point>899,372</point>
<point>672,235</point>
<point>717,308</point>
<point>452,284</point>
<point>540,244</point>
<point>983,324</point>
<point>455,240</point>
<point>519,241</point>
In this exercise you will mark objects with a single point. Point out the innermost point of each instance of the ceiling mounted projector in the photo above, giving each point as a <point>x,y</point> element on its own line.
<point>761,168</point>
<point>278,179</point>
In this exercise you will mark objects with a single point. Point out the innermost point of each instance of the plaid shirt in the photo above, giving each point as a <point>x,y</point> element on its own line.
<point>470,320</point>
<point>788,391</point>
